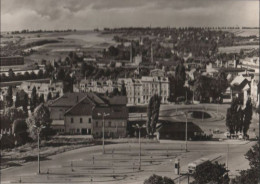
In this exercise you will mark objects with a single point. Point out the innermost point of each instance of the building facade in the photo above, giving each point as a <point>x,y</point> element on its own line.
<point>139,91</point>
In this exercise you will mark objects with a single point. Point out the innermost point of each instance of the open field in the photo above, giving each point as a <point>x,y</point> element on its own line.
<point>60,43</point>
<point>245,32</point>
<point>236,49</point>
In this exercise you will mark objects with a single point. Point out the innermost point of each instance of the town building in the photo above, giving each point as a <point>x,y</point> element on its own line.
<point>55,88</point>
<point>139,91</point>
<point>81,113</point>
<point>59,107</point>
<point>95,86</point>
<point>115,118</point>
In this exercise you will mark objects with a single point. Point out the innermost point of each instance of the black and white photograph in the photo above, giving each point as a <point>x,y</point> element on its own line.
<point>129,92</point>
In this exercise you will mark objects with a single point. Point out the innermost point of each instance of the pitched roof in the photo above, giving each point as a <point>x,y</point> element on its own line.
<point>84,107</point>
<point>68,99</point>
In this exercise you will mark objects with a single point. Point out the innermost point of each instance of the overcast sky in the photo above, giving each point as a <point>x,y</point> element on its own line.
<point>89,14</point>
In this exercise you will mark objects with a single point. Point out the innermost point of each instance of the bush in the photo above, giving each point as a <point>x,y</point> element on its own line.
<point>155,179</point>
<point>20,131</point>
<point>7,141</point>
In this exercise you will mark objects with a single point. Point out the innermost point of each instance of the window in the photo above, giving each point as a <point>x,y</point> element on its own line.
<point>80,120</point>
<point>89,120</point>
<point>109,124</point>
<point>71,120</point>
<point>96,124</point>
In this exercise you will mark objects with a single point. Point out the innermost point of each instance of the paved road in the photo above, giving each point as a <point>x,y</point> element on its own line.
<point>121,161</point>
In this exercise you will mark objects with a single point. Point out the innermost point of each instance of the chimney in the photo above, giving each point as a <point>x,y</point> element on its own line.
<point>131,53</point>
<point>77,100</point>
<point>151,53</point>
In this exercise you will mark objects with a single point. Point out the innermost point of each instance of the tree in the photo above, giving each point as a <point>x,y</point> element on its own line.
<point>218,173</point>
<point>39,119</point>
<point>153,114</point>
<point>24,103</point>
<point>11,74</point>
<point>248,112</point>
<point>17,100</point>
<point>49,97</point>
<point>20,131</point>
<point>155,179</point>
<point>61,74</point>
<point>250,175</point>
<point>41,98</point>
<point>172,86</point>
<point>123,89</point>
<point>13,113</point>
<point>233,117</point>
<point>33,102</point>
<point>180,77</point>
<point>9,96</point>
<point>115,92</point>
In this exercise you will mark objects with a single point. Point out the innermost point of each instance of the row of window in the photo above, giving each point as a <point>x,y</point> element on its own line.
<point>80,120</point>
<point>109,124</point>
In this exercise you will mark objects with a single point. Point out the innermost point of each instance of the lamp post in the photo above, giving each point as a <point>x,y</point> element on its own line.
<point>38,130</point>
<point>103,128</point>
<point>186,131</point>
<point>139,128</point>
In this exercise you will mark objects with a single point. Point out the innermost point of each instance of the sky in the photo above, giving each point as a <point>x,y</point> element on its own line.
<point>89,14</point>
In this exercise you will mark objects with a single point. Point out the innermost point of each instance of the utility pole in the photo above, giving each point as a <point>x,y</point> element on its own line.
<point>186,133</point>
<point>140,162</point>
<point>140,155</point>
<point>103,128</point>
<point>39,170</point>
<point>38,130</point>
<point>227,156</point>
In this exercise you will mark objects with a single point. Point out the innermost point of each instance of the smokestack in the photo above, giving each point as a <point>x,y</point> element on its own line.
<point>131,53</point>
<point>151,53</point>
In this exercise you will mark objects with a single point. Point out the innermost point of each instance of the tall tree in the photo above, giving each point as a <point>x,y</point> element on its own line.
<point>41,98</point>
<point>20,131</point>
<point>34,98</point>
<point>17,100</point>
<point>49,96</point>
<point>9,96</point>
<point>153,110</point>
<point>180,77</point>
<point>25,103</point>
<point>123,89</point>
<point>248,112</point>
<point>234,117</point>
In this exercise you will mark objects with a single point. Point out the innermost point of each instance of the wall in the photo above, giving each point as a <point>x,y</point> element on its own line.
<point>117,128</point>
<point>78,127</point>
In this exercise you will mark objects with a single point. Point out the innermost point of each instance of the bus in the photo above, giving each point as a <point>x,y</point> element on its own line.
<point>193,165</point>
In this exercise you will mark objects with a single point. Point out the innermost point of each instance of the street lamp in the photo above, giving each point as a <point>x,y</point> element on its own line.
<point>186,131</point>
<point>137,126</point>
<point>38,130</point>
<point>103,128</point>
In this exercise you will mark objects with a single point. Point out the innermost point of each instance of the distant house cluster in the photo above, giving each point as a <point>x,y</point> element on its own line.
<point>138,91</point>
<point>99,86</point>
<point>43,88</point>
<point>84,113</point>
